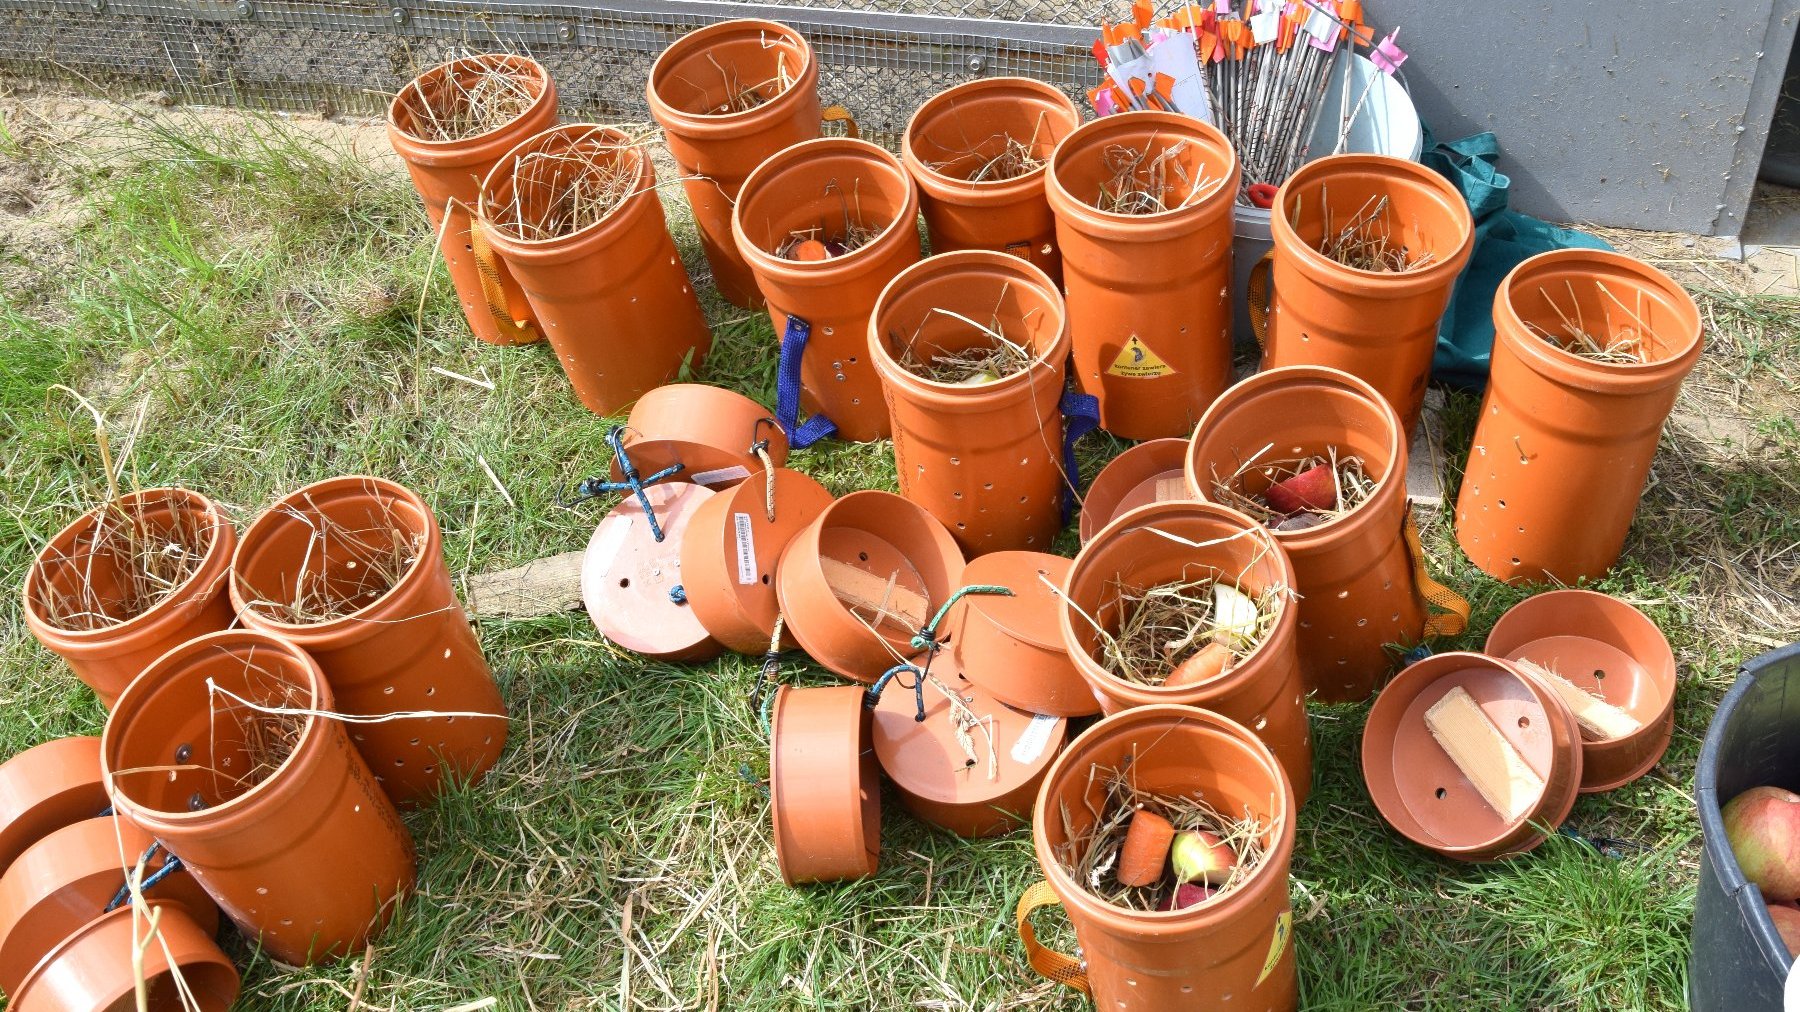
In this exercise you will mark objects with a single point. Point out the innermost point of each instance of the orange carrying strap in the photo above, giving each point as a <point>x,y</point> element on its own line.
<point>1259,291</point>
<point>1449,610</point>
<point>1064,969</point>
<point>839,114</point>
<point>487,268</point>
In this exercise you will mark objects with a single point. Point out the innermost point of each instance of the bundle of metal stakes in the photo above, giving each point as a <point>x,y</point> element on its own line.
<point>1259,72</point>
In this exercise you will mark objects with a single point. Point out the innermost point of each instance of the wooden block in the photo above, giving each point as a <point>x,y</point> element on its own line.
<point>541,587</point>
<point>1483,754</point>
<point>1599,719</point>
<point>875,595</point>
<point>1172,490</point>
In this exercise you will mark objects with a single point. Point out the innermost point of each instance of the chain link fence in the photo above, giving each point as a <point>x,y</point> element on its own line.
<point>881,58</point>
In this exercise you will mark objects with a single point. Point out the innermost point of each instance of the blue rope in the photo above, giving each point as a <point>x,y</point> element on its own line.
<point>1082,416</point>
<point>590,487</point>
<point>787,390</point>
<point>926,638</point>
<point>170,867</point>
<point>872,694</point>
<point>678,594</point>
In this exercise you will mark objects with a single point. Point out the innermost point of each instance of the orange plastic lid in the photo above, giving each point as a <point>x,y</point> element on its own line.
<point>627,576</point>
<point>1030,614</point>
<point>925,759</point>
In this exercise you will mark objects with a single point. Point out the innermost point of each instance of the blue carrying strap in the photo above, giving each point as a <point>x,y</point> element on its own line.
<point>787,390</point>
<point>1081,413</point>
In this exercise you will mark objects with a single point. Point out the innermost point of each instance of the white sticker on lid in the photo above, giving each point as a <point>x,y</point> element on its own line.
<point>1037,735</point>
<point>719,476</point>
<point>746,548</point>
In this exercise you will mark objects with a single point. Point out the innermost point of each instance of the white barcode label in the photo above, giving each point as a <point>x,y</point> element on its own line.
<point>1037,735</point>
<point>746,548</point>
<point>719,476</point>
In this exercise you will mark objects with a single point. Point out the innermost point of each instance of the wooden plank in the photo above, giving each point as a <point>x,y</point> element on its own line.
<point>1599,719</point>
<point>548,586</point>
<point>1483,754</point>
<point>872,594</point>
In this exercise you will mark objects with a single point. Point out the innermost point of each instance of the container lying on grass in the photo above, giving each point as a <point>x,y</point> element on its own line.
<point>710,431</point>
<point>729,553</point>
<point>129,580</point>
<point>1174,945</point>
<point>863,579</point>
<point>229,751</point>
<point>1149,472</point>
<point>450,125</point>
<point>352,570</point>
<point>631,579</point>
<point>1611,665</point>
<point>1011,645</point>
<point>157,947</point>
<point>1471,757</point>
<point>728,96</point>
<point>575,213</point>
<point>46,787</point>
<point>71,877</point>
<point>824,793</point>
<point>970,347</point>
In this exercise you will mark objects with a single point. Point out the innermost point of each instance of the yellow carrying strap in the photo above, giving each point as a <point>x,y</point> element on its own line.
<point>487,266</point>
<point>1257,293</point>
<point>1063,969</point>
<point>839,114</point>
<point>1449,610</point>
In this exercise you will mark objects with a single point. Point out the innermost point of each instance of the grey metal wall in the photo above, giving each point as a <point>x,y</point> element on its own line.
<point>1645,114</point>
<point>1649,114</point>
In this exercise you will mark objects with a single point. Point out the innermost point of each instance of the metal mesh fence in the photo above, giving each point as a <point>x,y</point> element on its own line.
<point>881,58</point>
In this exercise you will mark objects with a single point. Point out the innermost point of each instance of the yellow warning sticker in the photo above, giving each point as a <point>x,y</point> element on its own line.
<point>1137,361</point>
<point>1284,926</point>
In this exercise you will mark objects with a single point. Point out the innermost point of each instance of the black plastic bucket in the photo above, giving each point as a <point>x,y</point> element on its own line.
<point>1739,963</point>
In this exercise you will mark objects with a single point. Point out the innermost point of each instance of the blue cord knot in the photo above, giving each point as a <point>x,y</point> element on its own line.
<point>678,594</point>
<point>872,694</point>
<point>926,638</point>
<point>588,488</point>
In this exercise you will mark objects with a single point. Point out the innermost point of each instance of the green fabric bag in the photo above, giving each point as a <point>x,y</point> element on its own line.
<point>1503,238</point>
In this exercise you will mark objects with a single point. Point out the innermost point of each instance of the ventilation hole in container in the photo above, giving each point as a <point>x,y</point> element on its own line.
<point>624,581</point>
<point>1515,560</point>
<point>468,247</point>
<point>1387,585</point>
<point>828,330</point>
<point>862,556</point>
<point>414,742</point>
<point>358,737</point>
<point>400,762</point>
<point>429,770</point>
<point>429,691</point>
<point>1500,503</point>
<point>262,890</point>
<point>1343,594</point>
<point>1441,792</point>
<point>1024,461</point>
<point>287,922</point>
<point>1396,617</point>
<point>957,461</point>
<point>853,360</point>
<point>446,653</point>
<point>1187,989</point>
<point>1305,624</point>
<point>1260,723</point>
<point>489,740</point>
<point>183,753</point>
<point>987,486</point>
<point>387,690</point>
<point>956,495</point>
<point>765,579</point>
<point>1599,673</point>
<point>1524,721</point>
<point>1131,981</point>
<point>1342,661</point>
<point>961,526</point>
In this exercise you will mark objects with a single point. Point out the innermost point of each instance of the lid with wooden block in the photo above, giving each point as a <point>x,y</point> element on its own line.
<point>631,576</point>
<point>1610,664</point>
<point>1468,756</point>
<point>863,578</point>
<point>1151,471</point>
<point>973,765</point>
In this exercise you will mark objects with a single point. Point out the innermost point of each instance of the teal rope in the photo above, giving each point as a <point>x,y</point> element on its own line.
<point>926,638</point>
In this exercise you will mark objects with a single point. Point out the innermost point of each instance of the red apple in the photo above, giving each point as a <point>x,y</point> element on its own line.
<point>1202,857</point>
<point>1312,489</point>
<point>1763,827</point>
<point>1787,923</point>
<point>1186,895</point>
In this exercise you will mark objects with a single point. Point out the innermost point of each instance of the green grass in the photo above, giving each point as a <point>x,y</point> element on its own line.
<point>252,292</point>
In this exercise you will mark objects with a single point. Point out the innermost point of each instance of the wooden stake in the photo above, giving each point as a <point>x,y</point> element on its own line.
<point>1483,754</point>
